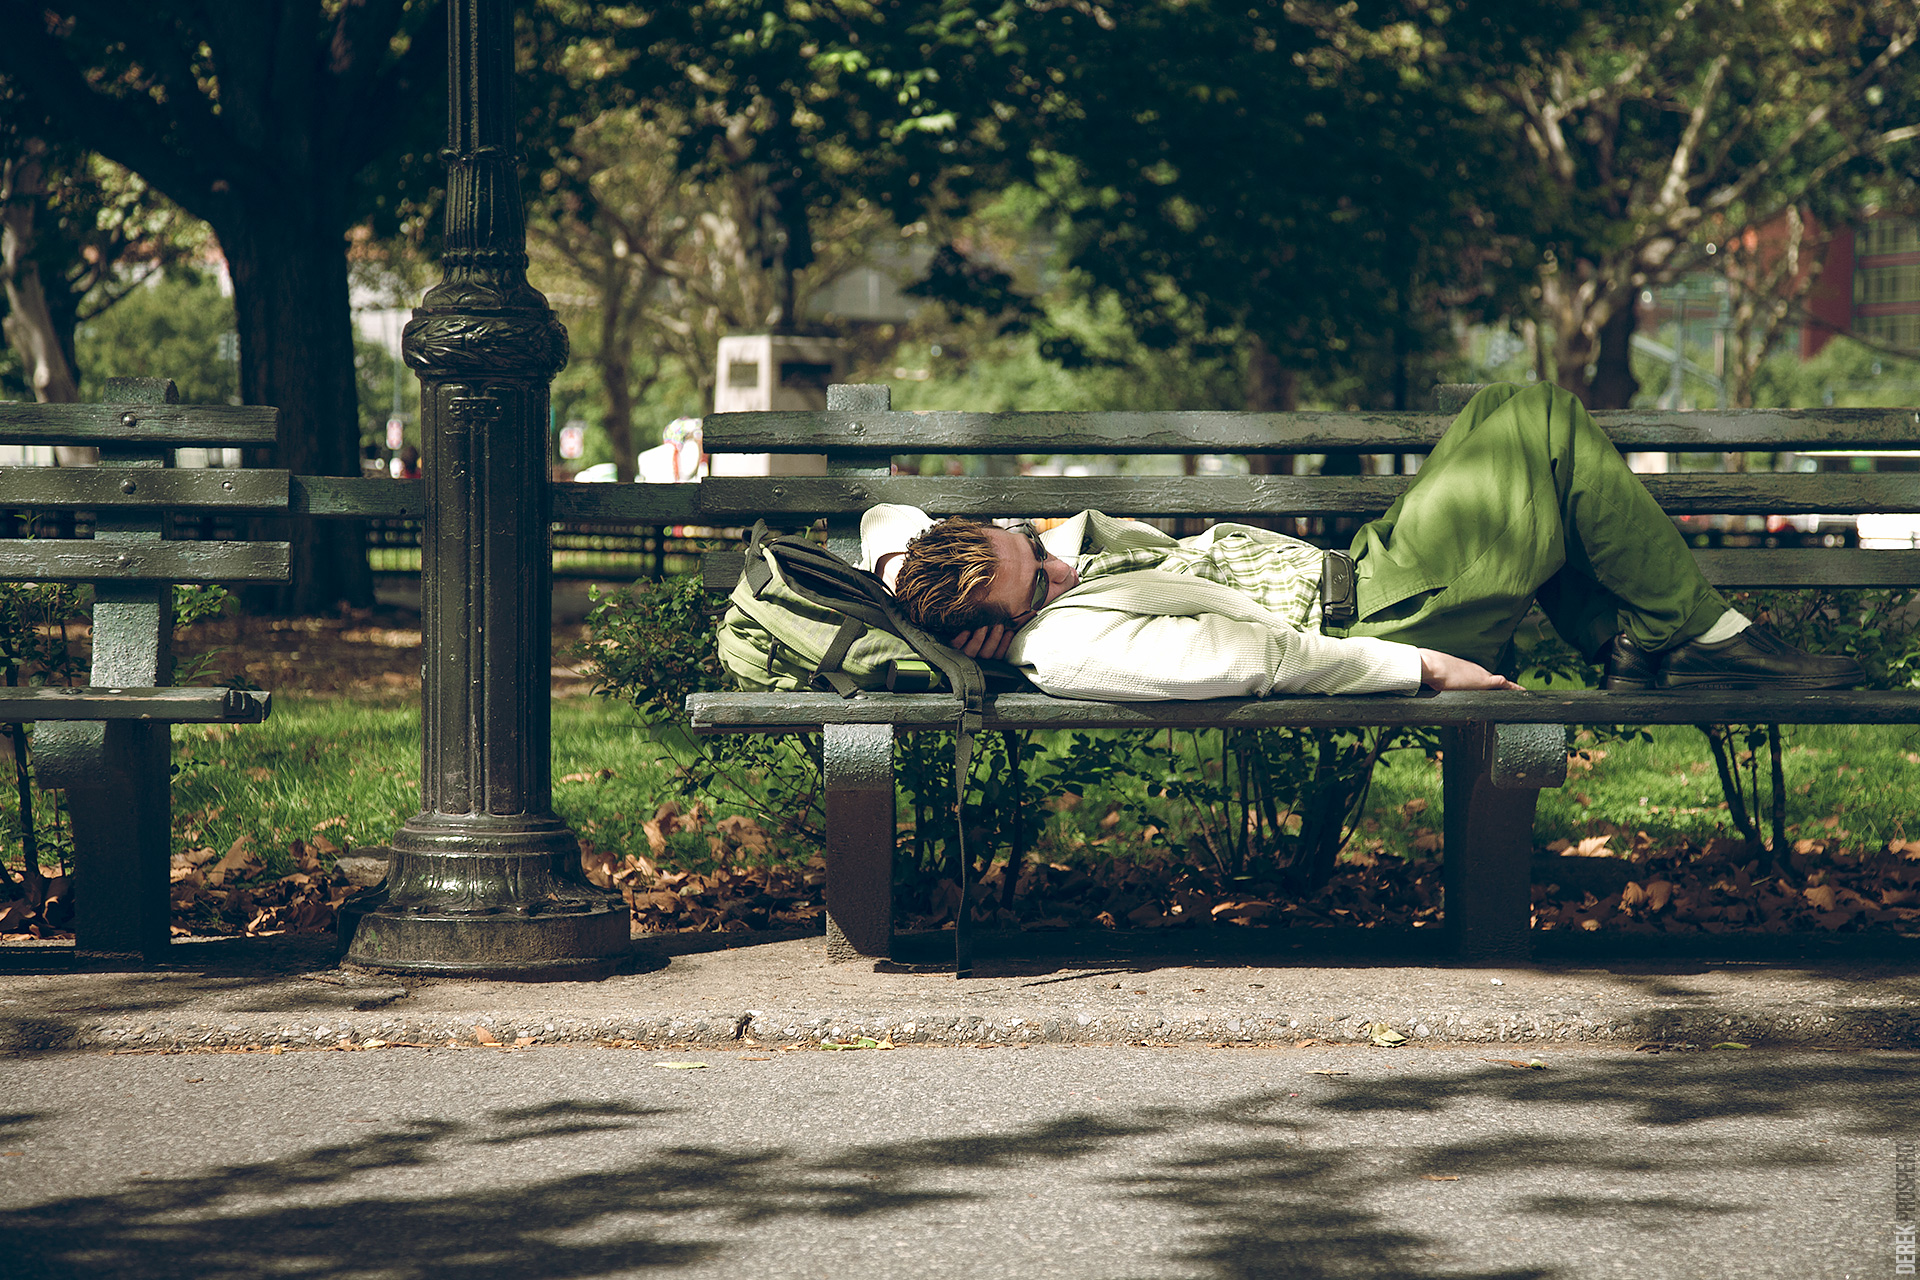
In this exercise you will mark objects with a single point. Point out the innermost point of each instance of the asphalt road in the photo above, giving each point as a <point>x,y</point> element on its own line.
<point>563,1162</point>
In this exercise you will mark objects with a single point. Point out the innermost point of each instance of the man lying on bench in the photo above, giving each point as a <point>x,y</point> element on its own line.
<point>1524,500</point>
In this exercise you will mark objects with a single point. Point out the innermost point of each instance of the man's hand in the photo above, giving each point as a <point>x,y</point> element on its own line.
<point>1444,671</point>
<point>991,642</point>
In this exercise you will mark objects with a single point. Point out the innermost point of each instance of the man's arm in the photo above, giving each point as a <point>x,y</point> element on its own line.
<point>1444,671</point>
<point>1115,655</point>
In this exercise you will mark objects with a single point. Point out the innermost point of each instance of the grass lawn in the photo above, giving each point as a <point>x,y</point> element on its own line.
<point>347,769</point>
<point>339,772</point>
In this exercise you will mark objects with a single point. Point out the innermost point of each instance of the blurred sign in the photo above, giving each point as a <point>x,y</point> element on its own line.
<point>573,440</point>
<point>396,432</point>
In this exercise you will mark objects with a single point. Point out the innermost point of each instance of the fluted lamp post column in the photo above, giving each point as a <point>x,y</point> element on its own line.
<point>483,879</point>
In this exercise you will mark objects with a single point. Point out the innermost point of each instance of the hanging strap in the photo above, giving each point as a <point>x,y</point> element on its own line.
<point>963,917</point>
<point>828,672</point>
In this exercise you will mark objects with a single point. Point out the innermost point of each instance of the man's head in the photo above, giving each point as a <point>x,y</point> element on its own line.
<point>960,575</point>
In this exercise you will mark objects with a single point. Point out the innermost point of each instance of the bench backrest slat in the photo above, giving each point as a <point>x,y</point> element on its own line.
<point>1699,430</point>
<point>171,426</point>
<point>124,560</point>
<point>741,499</point>
<point>1723,567</point>
<point>344,497</point>
<point>98,488</point>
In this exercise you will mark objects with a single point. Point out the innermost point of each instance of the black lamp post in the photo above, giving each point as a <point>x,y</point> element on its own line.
<point>482,878</point>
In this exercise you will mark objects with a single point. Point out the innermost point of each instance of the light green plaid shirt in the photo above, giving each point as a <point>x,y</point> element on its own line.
<point>1282,573</point>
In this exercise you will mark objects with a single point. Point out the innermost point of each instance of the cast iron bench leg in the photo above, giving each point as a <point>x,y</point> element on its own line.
<point>858,761</point>
<point>122,841</point>
<point>1487,866</point>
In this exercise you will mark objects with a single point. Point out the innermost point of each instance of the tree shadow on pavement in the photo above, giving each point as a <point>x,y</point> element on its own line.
<point>1308,1182</point>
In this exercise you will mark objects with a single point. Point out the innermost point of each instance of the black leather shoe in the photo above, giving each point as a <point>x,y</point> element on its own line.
<point>1755,659</point>
<point>1630,667</point>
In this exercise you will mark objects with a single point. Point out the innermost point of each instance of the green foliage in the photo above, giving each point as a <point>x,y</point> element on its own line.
<point>374,373</point>
<point>168,329</point>
<point>1846,374</point>
<point>1876,626</point>
<point>34,641</point>
<point>653,644</point>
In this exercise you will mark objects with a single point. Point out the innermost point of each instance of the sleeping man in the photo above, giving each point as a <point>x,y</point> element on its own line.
<point>1524,501</point>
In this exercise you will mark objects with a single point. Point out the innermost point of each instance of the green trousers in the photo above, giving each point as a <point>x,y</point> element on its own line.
<point>1525,500</point>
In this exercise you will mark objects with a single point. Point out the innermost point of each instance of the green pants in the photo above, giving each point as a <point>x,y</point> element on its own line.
<point>1525,500</point>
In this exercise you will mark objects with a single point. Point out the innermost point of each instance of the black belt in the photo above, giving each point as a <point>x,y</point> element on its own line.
<point>1339,590</point>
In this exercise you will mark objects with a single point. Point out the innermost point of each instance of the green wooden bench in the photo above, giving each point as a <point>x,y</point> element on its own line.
<point>1500,748</point>
<point>109,743</point>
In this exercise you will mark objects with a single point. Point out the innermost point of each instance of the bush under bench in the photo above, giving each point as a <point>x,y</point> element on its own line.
<point>1499,748</point>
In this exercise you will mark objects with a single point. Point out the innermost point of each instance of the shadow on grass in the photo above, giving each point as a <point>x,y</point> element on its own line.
<point>1265,1184</point>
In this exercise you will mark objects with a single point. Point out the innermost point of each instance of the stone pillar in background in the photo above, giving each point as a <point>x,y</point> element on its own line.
<point>483,880</point>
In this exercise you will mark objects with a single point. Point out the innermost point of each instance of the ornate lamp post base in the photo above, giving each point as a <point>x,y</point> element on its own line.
<point>492,943</point>
<point>462,899</point>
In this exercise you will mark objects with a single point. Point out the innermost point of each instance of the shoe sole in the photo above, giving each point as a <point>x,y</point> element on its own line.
<point>1721,683</point>
<point>1615,684</point>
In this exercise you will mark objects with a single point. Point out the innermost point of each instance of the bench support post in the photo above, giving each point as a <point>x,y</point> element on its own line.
<point>118,775</point>
<point>1488,850</point>
<point>858,762</point>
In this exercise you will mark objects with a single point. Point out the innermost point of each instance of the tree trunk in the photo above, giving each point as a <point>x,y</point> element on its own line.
<point>619,303</point>
<point>296,353</point>
<point>29,324</point>
<point>1614,385</point>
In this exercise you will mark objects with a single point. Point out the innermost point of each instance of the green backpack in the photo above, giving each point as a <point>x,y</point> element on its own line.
<point>803,619</point>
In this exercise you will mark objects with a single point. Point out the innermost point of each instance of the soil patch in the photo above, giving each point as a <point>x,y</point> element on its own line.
<point>367,651</point>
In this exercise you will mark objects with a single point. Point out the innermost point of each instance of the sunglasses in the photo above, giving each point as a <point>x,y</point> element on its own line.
<point>1041,584</point>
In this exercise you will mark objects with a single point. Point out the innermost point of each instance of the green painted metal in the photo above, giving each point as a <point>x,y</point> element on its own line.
<point>478,881</point>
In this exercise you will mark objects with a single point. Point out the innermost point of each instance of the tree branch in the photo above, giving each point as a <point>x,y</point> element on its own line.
<point>1814,119</point>
<point>1673,189</point>
<point>104,123</point>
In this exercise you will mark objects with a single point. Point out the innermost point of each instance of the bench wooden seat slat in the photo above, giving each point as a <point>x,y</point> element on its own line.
<point>127,560</point>
<point>736,500</point>
<point>798,712</point>
<point>172,705</point>
<point>173,426</point>
<point>1762,430</point>
<point>98,487</point>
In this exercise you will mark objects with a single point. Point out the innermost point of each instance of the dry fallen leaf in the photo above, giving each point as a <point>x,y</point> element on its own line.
<point>682,1066</point>
<point>1327,1071</point>
<point>1732,1044</point>
<point>484,1036</point>
<point>1441,1177</point>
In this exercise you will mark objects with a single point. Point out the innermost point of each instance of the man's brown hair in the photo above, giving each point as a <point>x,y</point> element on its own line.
<point>944,579</point>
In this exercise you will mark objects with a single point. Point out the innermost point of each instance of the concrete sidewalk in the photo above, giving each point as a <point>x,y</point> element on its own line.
<point>289,992</point>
